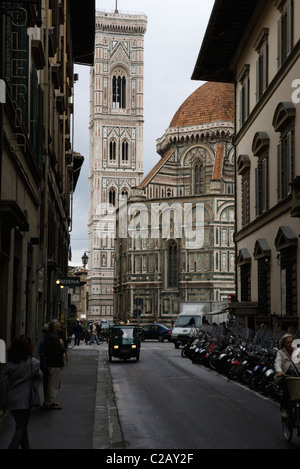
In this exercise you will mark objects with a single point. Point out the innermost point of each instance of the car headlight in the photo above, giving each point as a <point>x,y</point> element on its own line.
<point>116,347</point>
<point>133,346</point>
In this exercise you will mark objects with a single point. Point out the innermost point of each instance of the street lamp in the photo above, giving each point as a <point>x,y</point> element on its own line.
<point>84,260</point>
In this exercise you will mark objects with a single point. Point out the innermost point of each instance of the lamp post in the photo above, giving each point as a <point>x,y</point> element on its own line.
<point>84,260</point>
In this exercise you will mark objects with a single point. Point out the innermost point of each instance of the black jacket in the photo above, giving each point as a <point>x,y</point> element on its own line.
<point>54,350</point>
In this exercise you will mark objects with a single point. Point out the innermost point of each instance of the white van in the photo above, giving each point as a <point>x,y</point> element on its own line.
<point>188,321</point>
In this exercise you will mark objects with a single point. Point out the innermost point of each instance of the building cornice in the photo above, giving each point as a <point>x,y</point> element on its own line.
<point>213,132</point>
<point>121,23</point>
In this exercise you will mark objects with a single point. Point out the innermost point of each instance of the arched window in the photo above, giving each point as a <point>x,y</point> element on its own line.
<point>119,92</point>
<point>112,150</point>
<point>125,151</point>
<point>112,197</point>
<point>199,178</point>
<point>124,194</point>
<point>172,265</point>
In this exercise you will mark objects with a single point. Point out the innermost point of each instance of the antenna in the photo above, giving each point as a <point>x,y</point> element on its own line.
<point>116,9</point>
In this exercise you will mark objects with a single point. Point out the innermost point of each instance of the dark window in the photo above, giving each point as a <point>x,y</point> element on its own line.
<point>261,173</point>
<point>262,71</point>
<point>112,150</point>
<point>112,197</point>
<point>245,282</point>
<point>263,278</point>
<point>285,166</point>
<point>119,92</point>
<point>199,179</point>
<point>288,271</point>
<point>125,151</point>
<point>173,265</point>
<point>245,201</point>
<point>286,33</point>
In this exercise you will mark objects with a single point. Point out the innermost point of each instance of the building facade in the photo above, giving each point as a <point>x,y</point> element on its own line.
<point>116,143</point>
<point>41,42</point>
<point>178,245</point>
<point>262,58</point>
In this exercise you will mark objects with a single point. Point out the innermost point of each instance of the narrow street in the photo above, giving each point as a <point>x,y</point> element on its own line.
<point>166,402</point>
<point>161,402</point>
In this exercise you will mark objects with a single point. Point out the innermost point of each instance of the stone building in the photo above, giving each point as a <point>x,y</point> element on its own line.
<point>259,51</point>
<point>116,142</point>
<point>41,42</point>
<point>178,243</point>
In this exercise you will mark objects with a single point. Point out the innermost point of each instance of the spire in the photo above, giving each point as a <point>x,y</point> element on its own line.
<point>116,9</point>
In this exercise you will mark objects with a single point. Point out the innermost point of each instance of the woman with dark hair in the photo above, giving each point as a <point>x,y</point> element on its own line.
<point>21,368</point>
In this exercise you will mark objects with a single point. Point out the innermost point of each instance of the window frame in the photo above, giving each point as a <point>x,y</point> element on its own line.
<point>119,90</point>
<point>262,64</point>
<point>285,30</point>
<point>244,94</point>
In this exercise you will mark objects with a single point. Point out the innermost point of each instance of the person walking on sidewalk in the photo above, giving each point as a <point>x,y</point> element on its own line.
<point>94,335</point>
<point>21,368</point>
<point>43,360</point>
<point>78,333</point>
<point>54,351</point>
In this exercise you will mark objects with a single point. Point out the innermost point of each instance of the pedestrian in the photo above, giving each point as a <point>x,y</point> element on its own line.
<point>85,333</point>
<point>54,351</point>
<point>284,366</point>
<point>78,333</point>
<point>43,361</point>
<point>94,335</point>
<point>98,328</point>
<point>21,368</point>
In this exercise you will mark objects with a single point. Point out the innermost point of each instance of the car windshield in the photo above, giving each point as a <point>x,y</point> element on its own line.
<point>188,321</point>
<point>124,333</point>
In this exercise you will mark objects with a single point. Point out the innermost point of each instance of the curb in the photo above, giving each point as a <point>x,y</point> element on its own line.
<point>107,429</point>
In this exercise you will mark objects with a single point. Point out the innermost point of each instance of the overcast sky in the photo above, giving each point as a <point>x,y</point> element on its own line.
<point>173,39</point>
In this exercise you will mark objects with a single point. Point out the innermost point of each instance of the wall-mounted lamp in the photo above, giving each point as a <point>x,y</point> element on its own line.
<point>85,259</point>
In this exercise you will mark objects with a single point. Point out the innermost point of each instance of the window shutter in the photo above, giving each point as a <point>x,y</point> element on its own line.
<point>289,161</point>
<point>247,91</point>
<point>279,172</point>
<point>279,43</point>
<point>290,27</point>
<point>258,81</point>
<point>241,108</point>
<point>257,191</point>
<point>265,68</point>
<point>245,202</point>
<point>264,183</point>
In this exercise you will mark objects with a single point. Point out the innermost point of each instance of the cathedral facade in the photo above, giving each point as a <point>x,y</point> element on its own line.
<point>174,235</point>
<point>116,143</point>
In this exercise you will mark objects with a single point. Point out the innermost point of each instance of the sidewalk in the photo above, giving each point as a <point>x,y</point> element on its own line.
<point>89,417</point>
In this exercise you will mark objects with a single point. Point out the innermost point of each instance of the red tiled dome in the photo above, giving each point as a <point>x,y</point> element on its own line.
<point>211,102</point>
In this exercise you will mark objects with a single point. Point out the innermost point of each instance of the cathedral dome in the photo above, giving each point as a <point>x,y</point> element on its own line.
<point>211,102</point>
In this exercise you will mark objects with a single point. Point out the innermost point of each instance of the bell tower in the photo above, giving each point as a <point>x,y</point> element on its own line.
<point>116,142</point>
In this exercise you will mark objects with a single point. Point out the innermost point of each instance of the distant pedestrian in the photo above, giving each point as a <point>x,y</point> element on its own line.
<point>55,351</point>
<point>94,335</point>
<point>78,333</point>
<point>43,361</point>
<point>86,333</point>
<point>99,329</point>
<point>20,369</point>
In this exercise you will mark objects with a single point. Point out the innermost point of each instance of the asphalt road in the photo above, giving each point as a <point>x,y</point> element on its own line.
<point>166,402</point>
<point>162,402</point>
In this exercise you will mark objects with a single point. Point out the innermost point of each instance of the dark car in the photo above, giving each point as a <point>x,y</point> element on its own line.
<point>124,343</point>
<point>155,332</point>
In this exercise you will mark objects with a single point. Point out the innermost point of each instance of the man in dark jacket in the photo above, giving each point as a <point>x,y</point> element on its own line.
<point>54,351</point>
